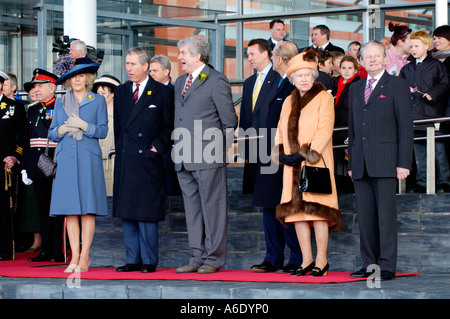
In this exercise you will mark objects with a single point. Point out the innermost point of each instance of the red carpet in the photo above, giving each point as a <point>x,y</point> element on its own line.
<point>24,269</point>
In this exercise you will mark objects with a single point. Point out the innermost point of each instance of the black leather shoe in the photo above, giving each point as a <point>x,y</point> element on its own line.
<point>420,189</point>
<point>289,268</point>
<point>129,267</point>
<point>264,267</point>
<point>443,188</point>
<point>43,256</point>
<point>362,273</point>
<point>4,257</point>
<point>300,271</point>
<point>387,275</point>
<point>148,268</point>
<point>58,259</point>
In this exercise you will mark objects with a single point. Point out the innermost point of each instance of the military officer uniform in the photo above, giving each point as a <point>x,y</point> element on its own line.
<point>38,122</point>
<point>12,123</point>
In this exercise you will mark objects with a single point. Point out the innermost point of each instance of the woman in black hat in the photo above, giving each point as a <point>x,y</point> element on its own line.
<point>105,86</point>
<point>80,120</point>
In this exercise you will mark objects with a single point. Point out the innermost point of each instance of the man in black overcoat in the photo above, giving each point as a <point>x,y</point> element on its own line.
<point>143,123</point>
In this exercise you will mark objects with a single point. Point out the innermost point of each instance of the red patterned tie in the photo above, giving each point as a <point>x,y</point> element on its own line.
<point>188,84</point>
<point>136,94</point>
<point>368,90</point>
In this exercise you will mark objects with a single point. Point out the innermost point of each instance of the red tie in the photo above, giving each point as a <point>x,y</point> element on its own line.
<point>188,84</point>
<point>136,94</point>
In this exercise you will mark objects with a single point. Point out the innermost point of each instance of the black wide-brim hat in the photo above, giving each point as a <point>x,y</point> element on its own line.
<point>27,86</point>
<point>106,80</point>
<point>78,69</point>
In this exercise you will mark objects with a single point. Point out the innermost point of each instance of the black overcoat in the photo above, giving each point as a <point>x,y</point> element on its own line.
<point>139,190</point>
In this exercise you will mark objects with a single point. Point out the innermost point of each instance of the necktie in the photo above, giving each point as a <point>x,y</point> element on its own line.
<point>136,94</point>
<point>188,84</point>
<point>256,91</point>
<point>368,90</point>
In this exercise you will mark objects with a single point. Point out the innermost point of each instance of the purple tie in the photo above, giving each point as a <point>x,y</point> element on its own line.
<point>136,94</point>
<point>368,90</point>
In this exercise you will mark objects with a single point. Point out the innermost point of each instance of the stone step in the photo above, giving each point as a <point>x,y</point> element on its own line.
<point>423,238</point>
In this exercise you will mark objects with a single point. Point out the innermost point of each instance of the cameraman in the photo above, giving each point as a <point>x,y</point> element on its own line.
<point>78,49</point>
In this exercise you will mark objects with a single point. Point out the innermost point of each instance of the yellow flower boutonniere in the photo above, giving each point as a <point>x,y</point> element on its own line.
<point>202,76</point>
<point>149,92</point>
<point>90,96</point>
<point>3,105</point>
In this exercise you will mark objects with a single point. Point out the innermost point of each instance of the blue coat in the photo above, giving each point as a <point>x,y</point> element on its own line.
<point>79,184</point>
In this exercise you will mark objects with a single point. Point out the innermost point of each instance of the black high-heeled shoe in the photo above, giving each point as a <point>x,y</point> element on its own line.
<point>303,271</point>
<point>317,272</point>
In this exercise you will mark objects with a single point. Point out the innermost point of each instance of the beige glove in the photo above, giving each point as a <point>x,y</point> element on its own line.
<point>63,129</point>
<point>75,121</point>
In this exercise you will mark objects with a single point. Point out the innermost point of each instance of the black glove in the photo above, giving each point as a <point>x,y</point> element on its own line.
<point>291,160</point>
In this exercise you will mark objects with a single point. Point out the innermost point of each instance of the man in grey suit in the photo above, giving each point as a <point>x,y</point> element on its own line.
<point>380,152</point>
<point>205,119</point>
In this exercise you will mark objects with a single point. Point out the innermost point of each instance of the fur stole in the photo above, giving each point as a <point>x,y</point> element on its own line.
<point>297,203</point>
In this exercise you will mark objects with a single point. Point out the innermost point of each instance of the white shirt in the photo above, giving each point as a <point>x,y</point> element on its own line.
<point>142,86</point>
<point>377,78</point>
<point>263,74</point>
<point>195,74</point>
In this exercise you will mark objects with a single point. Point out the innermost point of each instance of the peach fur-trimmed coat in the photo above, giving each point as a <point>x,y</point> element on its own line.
<point>315,129</point>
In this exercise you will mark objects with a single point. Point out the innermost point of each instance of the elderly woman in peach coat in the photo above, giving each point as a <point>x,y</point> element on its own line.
<point>306,123</point>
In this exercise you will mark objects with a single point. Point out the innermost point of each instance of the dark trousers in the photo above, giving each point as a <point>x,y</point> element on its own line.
<point>52,228</point>
<point>141,242</point>
<point>277,237</point>
<point>420,154</point>
<point>377,218</point>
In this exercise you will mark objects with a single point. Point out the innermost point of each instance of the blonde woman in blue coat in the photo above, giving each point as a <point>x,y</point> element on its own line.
<point>80,120</point>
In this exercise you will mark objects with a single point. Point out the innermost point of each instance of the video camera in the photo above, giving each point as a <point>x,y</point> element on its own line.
<point>63,48</point>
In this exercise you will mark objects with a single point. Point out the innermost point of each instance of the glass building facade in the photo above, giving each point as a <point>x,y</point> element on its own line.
<point>29,30</point>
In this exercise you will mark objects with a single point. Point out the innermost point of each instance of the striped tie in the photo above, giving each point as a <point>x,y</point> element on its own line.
<point>368,90</point>
<point>136,94</point>
<point>188,84</point>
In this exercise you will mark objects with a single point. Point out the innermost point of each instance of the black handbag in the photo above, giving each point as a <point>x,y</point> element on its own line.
<point>47,164</point>
<point>315,179</point>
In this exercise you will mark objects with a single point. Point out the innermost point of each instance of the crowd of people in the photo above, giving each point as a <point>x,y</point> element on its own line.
<point>298,96</point>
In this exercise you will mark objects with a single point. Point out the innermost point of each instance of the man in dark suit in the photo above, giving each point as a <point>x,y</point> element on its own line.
<point>320,38</point>
<point>380,151</point>
<point>258,90</point>
<point>205,119</point>
<point>143,122</point>
<point>277,32</point>
<point>12,127</point>
<point>269,183</point>
<point>160,69</point>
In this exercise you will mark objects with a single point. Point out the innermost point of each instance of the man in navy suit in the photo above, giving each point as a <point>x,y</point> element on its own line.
<point>258,90</point>
<point>320,38</point>
<point>269,184</point>
<point>143,123</point>
<point>380,152</point>
<point>277,32</point>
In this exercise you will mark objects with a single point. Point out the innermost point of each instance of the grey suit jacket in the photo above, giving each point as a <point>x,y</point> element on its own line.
<point>380,132</point>
<point>202,120</point>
